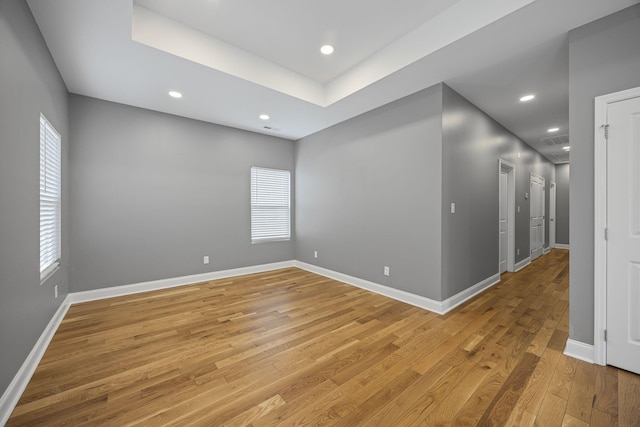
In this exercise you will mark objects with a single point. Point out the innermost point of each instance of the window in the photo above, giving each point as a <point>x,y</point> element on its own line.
<point>50,183</point>
<point>270,205</point>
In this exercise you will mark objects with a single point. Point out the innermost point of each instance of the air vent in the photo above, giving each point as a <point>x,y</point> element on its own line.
<point>555,140</point>
<point>560,157</point>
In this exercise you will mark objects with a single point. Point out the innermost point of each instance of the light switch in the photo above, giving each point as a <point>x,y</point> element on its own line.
<point>453,208</point>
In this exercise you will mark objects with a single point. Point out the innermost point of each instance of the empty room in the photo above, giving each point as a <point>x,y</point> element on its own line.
<point>265,213</point>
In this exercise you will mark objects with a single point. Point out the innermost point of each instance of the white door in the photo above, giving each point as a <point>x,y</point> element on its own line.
<point>623,244</point>
<point>503,222</point>
<point>536,206</point>
<point>552,214</point>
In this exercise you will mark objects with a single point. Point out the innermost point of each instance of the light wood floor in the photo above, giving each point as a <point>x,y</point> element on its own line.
<point>292,348</point>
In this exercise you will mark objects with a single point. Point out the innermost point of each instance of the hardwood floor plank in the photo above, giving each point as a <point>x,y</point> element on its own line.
<point>606,390</point>
<point>537,385</point>
<point>551,411</point>
<point>582,396</point>
<point>629,399</point>
<point>562,378</point>
<point>289,347</point>
<point>603,419</point>
<point>503,404</point>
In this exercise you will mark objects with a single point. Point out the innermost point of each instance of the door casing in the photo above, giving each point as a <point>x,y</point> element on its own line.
<point>600,221</point>
<point>510,169</point>
<point>552,214</point>
<point>533,177</point>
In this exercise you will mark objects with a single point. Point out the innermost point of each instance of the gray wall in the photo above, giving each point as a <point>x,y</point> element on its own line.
<point>473,143</point>
<point>151,194</point>
<point>604,57</point>
<point>357,184</point>
<point>368,194</point>
<point>562,204</point>
<point>29,84</point>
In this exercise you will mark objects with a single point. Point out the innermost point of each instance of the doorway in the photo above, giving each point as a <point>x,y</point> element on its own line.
<point>617,230</point>
<point>536,208</point>
<point>506,216</point>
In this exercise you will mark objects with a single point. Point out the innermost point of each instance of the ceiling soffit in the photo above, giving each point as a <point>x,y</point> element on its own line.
<point>453,23</point>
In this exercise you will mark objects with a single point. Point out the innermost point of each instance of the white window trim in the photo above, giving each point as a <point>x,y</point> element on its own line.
<point>50,146</point>
<point>277,237</point>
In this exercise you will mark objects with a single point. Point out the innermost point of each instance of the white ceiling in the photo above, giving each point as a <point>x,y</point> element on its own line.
<point>290,32</point>
<point>236,59</point>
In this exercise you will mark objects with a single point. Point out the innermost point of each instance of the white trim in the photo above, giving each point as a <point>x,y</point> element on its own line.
<point>440,307</point>
<point>561,246</point>
<point>544,211</point>
<point>12,394</point>
<point>546,250</point>
<point>579,350</point>
<point>553,188</point>
<point>459,298</point>
<point>154,285</point>
<point>522,264</point>
<point>510,170</point>
<point>600,220</point>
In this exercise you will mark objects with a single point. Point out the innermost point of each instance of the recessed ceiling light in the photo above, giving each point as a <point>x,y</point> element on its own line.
<point>327,49</point>
<point>553,130</point>
<point>264,117</point>
<point>175,94</point>
<point>527,98</point>
<point>566,148</point>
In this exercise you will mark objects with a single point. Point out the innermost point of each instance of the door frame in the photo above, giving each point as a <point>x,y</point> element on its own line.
<point>552,213</point>
<point>544,211</point>
<point>600,220</point>
<point>510,169</point>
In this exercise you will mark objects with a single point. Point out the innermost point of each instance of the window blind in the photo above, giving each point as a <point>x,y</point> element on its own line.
<point>50,184</point>
<point>270,205</point>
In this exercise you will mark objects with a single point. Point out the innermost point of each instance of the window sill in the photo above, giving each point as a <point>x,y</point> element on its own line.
<point>284,239</point>
<point>49,271</point>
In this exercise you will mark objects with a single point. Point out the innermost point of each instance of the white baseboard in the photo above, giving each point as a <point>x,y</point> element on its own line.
<point>409,298</point>
<point>580,350</point>
<point>173,282</point>
<point>561,246</point>
<point>440,307</point>
<point>522,264</point>
<point>454,301</point>
<point>546,250</point>
<point>12,394</point>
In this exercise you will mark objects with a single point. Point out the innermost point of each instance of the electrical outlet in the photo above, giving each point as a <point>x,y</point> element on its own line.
<point>206,259</point>
<point>386,270</point>
<point>453,208</point>
<point>55,291</point>
<point>518,209</point>
<point>315,254</point>
<point>517,251</point>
